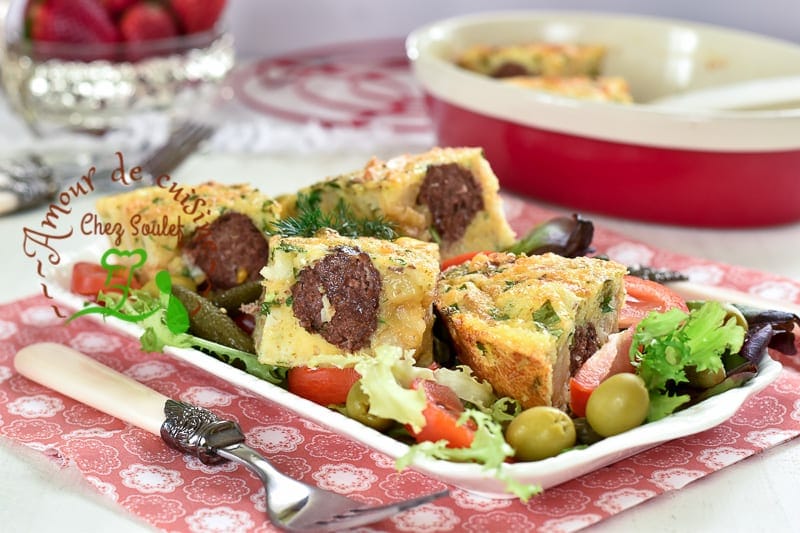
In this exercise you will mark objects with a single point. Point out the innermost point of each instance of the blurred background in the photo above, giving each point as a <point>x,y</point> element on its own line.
<point>356,98</point>
<point>273,26</point>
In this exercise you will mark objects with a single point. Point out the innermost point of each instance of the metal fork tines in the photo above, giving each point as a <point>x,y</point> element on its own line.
<point>291,504</point>
<point>182,142</point>
<point>297,506</point>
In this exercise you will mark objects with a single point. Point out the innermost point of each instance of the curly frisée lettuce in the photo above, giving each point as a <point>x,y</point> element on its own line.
<point>466,386</point>
<point>665,344</point>
<point>489,448</point>
<point>387,378</point>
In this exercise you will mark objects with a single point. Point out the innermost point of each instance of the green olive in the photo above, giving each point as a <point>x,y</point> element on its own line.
<point>357,407</point>
<point>618,404</point>
<point>540,432</point>
<point>704,379</point>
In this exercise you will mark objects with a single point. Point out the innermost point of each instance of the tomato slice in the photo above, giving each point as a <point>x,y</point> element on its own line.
<point>88,279</point>
<point>441,416</point>
<point>579,393</point>
<point>457,260</point>
<point>324,385</point>
<point>643,296</point>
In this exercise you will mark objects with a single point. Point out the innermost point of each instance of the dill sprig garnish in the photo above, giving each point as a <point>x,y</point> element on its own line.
<point>310,219</point>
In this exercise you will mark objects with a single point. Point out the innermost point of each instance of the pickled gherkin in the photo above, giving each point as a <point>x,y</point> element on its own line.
<point>209,322</point>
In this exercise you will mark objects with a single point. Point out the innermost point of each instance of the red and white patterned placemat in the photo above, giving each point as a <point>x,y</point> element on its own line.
<point>174,492</point>
<point>357,96</point>
<point>345,85</point>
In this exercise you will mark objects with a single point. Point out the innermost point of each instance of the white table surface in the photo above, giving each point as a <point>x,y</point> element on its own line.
<point>757,494</point>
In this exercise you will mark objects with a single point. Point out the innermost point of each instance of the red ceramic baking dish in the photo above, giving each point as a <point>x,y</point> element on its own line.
<point>676,164</point>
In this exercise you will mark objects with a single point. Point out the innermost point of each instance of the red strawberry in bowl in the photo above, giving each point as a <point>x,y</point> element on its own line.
<point>71,21</point>
<point>146,21</point>
<point>105,61</point>
<point>115,7</point>
<point>197,15</point>
<point>98,22</point>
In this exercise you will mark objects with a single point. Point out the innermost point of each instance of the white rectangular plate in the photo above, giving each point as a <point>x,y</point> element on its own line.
<point>473,477</point>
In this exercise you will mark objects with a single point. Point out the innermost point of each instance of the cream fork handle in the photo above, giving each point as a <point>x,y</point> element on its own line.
<point>82,378</point>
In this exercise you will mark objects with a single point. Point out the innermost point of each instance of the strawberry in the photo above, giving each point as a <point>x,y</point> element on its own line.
<point>72,21</point>
<point>115,7</point>
<point>146,21</point>
<point>35,14</point>
<point>197,15</point>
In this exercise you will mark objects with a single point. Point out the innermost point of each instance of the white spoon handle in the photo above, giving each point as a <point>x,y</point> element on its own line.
<point>82,378</point>
<point>765,93</point>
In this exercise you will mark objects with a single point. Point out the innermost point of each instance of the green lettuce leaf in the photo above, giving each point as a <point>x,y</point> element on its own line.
<point>466,385</point>
<point>662,405</point>
<point>385,379</point>
<point>665,344</point>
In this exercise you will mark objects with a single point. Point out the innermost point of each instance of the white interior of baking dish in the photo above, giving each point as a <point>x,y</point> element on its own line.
<point>659,57</point>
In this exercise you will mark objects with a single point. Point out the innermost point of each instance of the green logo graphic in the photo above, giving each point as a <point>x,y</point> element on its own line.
<point>176,316</point>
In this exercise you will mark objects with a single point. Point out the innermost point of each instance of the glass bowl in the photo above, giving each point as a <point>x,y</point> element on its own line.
<point>98,87</point>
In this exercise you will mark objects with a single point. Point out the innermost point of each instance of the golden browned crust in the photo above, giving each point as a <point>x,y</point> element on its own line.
<point>392,189</point>
<point>535,59</point>
<point>160,219</point>
<point>513,318</point>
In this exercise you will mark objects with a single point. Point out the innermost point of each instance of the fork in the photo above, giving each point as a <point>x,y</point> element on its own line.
<point>183,141</point>
<point>27,181</point>
<point>291,505</point>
